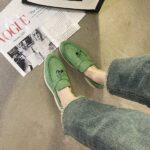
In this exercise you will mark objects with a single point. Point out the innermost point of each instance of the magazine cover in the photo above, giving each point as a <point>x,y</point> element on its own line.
<point>29,34</point>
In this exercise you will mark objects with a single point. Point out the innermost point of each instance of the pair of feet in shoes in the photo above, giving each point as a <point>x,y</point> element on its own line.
<point>55,74</point>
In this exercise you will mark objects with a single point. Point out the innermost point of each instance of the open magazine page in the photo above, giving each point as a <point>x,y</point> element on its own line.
<point>74,15</point>
<point>23,40</point>
<point>77,4</point>
<point>61,28</point>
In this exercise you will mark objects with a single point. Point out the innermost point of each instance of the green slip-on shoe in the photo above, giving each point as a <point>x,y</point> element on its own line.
<point>75,56</point>
<point>55,77</point>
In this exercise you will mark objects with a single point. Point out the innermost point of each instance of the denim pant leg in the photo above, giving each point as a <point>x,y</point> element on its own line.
<point>130,78</point>
<point>104,127</point>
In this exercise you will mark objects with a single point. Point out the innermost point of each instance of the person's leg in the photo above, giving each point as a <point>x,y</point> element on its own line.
<point>100,126</point>
<point>105,127</point>
<point>128,78</point>
<point>96,74</point>
<point>66,96</point>
<point>95,125</point>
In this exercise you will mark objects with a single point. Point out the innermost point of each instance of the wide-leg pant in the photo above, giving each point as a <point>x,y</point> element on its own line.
<point>104,127</point>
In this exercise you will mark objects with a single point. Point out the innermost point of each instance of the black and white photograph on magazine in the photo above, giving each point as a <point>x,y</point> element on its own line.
<point>32,50</point>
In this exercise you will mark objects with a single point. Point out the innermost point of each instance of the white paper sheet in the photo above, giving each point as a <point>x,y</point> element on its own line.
<point>60,29</point>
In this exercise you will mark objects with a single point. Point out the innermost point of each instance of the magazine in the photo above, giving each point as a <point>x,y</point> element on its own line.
<point>73,4</point>
<point>30,33</point>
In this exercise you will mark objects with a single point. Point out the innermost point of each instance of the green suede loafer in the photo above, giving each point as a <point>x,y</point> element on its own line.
<point>75,56</point>
<point>55,77</point>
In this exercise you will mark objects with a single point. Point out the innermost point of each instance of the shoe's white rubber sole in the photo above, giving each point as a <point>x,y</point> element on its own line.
<point>55,98</point>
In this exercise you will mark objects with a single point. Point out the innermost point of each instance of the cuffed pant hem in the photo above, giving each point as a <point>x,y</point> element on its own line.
<point>130,78</point>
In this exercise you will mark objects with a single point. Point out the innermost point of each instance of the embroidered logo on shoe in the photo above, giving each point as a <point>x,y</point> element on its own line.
<point>78,53</point>
<point>59,73</point>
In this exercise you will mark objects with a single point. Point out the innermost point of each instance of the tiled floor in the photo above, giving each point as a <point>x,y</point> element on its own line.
<point>29,119</point>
